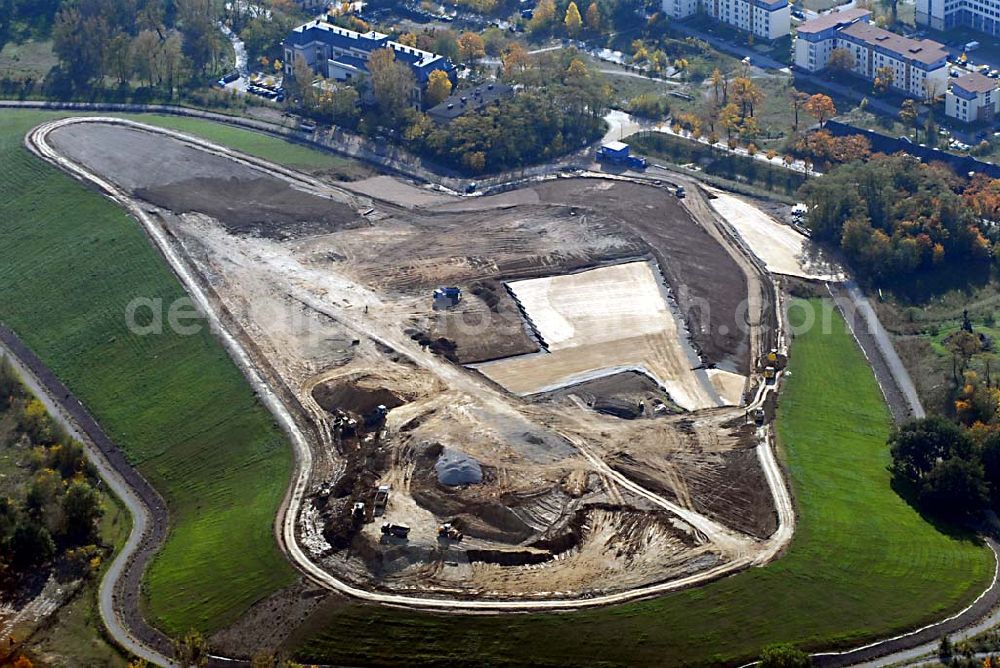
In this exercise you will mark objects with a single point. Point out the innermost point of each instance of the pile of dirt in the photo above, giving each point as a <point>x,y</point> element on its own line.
<point>485,325</point>
<point>455,468</point>
<point>263,207</point>
<point>627,395</point>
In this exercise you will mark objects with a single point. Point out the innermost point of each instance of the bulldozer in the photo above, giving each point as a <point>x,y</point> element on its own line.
<point>449,531</point>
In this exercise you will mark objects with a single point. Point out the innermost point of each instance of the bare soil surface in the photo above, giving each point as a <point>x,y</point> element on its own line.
<point>183,179</point>
<point>708,285</point>
<point>339,318</point>
<point>258,206</point>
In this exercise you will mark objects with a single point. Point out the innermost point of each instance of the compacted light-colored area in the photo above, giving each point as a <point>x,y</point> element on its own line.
<point>783,249</point>
<point>603,321</point>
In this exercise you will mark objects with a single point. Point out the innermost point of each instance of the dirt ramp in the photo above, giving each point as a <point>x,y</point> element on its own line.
<point>359,395</point>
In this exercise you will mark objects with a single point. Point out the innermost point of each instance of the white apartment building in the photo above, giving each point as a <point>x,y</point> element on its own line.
<point>981,15</point>
<point>919,67</point>
<point>973,98</point>
<point>768,20</point>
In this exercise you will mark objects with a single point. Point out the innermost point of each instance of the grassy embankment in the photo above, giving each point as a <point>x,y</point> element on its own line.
<point>70,261</point>
<point>862,564</point>
<point>262,146</point>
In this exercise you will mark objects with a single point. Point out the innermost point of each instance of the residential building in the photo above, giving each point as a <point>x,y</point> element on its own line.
<point>919,66</point>
<point>973,98</point>
<point>341,54</point>
<point>767,19</point>
<point>981,15</point>
<point>472,99</point>
<point>816,39</point>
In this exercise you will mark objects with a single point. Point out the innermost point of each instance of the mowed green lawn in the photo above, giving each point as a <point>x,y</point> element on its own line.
<point>862,563</point>
<point>260,145</point>
<point>70,262</point>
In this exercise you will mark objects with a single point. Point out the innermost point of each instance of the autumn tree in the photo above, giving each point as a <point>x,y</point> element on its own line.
<point>191,650</point>
<point>392,84</point>
<point>471,46</point>
<point>573,21</point>
<point>841,60</point>
<point>594,19</point>
<point>820,107</point>
<point>884,78</point>
<point>303,78</point>
<point>438,87</point>
<point>729,117</point>
<point>746,94</point>
<point>908,116</point>
<point>543,16</point>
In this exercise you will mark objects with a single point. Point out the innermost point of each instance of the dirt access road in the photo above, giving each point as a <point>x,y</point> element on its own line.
<point>443,370</point>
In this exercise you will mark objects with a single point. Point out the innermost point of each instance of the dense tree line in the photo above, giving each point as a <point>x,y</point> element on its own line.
<point>559,108</point>
<point>894,216</point>
<point>156,43</point>
<point>56,510</point>
<point>950,471</point>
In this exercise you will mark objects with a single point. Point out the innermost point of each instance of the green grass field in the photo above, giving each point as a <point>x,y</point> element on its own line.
<point>862,564</point>
<point>262,146</point>
<point>70,261</point>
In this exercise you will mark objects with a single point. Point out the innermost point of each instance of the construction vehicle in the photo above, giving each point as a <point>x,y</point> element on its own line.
<point>680,192</point>
<point>772,357</point>
<point>449,531</point>
<point>758,415</point>
<point>358,512</point>
<point>376,417</point>
<point>770,373</point>
<point>381,497</point>
<point>395,530</point>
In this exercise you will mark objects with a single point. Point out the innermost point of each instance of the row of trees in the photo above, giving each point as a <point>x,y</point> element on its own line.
<point>893,216</point>
<point>57,513</point>
<point>156,42</point>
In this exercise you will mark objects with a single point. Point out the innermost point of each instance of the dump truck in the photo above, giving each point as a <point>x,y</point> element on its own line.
<point>395,530</point>
<point>758,415</point>
<point>770,373</point>
<point>449,531</point>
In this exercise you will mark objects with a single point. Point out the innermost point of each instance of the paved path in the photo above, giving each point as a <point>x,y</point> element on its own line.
<point>892,376</point>
<point>120,588</point>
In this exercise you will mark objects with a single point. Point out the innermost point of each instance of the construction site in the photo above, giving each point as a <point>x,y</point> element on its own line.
<point>557,392</point>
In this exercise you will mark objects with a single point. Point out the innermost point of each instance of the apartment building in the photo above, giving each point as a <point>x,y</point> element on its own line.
<point>981,15</point>
<point>972,98</point>
<point>765,19</point>
<point>919,66</point>
<point>342,54</point>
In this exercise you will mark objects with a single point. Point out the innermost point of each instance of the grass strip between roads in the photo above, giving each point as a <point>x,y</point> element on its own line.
<point>70,262</point>
<point>862,564</point>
